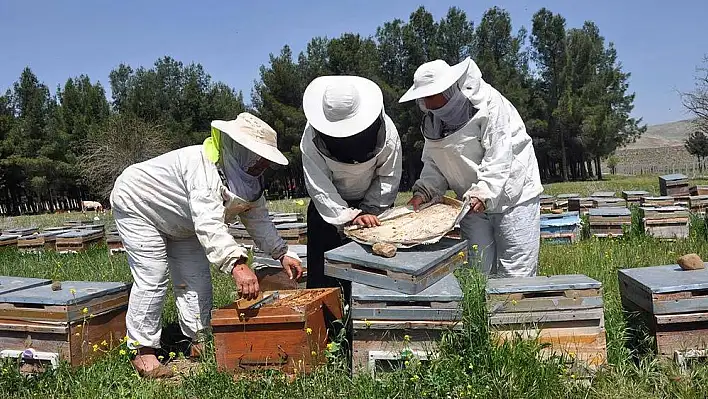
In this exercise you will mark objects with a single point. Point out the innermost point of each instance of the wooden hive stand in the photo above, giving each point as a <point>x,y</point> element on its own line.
<point>389,326</point>
<point>564,311</point>
<point>605,222</point>
<point>634,197</point>
<point>8,240</point>
<point>669,303</point>
<point>562,201</point>
<point>78,323</point>
<point>668,223</point>
<point>561,228</point>
<point>289,334</point>
<point>77,240</point>
<point>410,271</point>
<point>673,185</point>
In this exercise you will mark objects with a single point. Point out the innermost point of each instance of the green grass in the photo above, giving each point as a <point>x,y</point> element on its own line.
<point>470,365</point>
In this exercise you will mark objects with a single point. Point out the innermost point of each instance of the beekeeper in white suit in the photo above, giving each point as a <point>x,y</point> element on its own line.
<point>172,213</point>
<point>476,144</point>
<point>351,157</point>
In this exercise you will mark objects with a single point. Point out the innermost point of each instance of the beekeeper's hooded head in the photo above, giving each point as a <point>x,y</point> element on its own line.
<point>447,92</point>
<point>346,113</point>
<point>247,147</point>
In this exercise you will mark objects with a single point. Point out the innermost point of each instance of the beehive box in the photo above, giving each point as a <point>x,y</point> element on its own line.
<point>673,184</point>
<point>698,190</point>
<point>293,233</point>
<point>547,203</point>
<point>76,223</point>
<point>609,221</point>
<point>281,335</point>
<point>78,323</point>
<point>608,202</point>
<point>45,240</point>
<point>388,323</point>
<point>409,272</point>
<point>657,201</point>
<point>581,205</point>
<point>698,203</point>
<point>682,200</point>
<point>8,240</point>
<point>565,312</point>
<point>77,240</point>
<point>634,197</point>
<point>270,273</point>
<point>671,303</point>
<point>669,222</point>
<point>114,243</point>
<point>562,200</point>
<point>561,228</point>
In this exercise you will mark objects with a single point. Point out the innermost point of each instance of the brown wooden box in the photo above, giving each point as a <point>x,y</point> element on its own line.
<point>290,334</point>
<point>670,304</point>
<point>79,327</point>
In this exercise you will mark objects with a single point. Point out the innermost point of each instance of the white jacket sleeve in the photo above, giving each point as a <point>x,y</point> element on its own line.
<point>207,210</point>
<point>384,188</point>
<point>431,182</point>
<point>262,230</point>
<point>318,181</point>
<point>495,167</point>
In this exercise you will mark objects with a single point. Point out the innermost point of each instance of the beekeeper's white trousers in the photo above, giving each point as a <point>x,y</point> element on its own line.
<point>505,244</point>
<point>151,257</point>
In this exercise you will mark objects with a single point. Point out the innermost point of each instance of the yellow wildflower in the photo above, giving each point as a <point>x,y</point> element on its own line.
<point>174,369</point>
<point>572,376</point>
<point>330,346</point>
<point>104,343</point>
<point>514,302</point>
<point>72,291</point>
<point>160,357</point>
<point>172,355</point>
<point>308,330</point>
<point>367,322</point>
<point>134,351</point>
<point>314,353</point>
<point>406,338</point>
<point>300,202</point>
<point>415,378</point>
<point>95,348</point>
<point>84,310</point>
<point>122,352</point>
<point>474,247</point>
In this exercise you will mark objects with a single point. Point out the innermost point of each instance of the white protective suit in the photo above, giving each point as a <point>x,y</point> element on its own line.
<point>172,213</point>
<point>331,183</point>
<point>492,158</point>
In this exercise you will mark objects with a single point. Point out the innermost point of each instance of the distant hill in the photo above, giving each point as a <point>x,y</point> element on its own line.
<point>665,135</point>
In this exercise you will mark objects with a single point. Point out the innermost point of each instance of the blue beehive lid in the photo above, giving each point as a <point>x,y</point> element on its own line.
<point>446,290</point>
<point>568,219</point>
<point>668,278</point>
<point>541,283</point>
<point>413,261</point>
<point>10,283</point>
<point>85,290</point>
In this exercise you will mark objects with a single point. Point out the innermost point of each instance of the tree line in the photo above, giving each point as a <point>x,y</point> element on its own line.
<point>567,83</point>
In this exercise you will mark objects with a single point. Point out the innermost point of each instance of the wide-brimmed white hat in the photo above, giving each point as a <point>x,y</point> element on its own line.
<point>434,77</point>
<point>342,106</point>
<point>254,134</point>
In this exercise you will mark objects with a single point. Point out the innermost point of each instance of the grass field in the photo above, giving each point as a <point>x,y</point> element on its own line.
<point>471,365</point>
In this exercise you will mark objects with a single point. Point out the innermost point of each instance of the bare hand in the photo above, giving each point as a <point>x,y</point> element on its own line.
<point>367,221</point>
<point>476,205</point>
<point>246,281</point>
<point>416,202</point>
<point>290,265</point>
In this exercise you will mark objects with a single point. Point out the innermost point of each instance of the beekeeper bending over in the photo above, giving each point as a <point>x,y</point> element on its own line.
<point>172,213</point>
<point>476,144</point>
<point>351,156</point>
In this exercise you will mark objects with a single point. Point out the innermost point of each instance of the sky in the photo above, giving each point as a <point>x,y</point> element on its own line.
<point>660,43</point>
